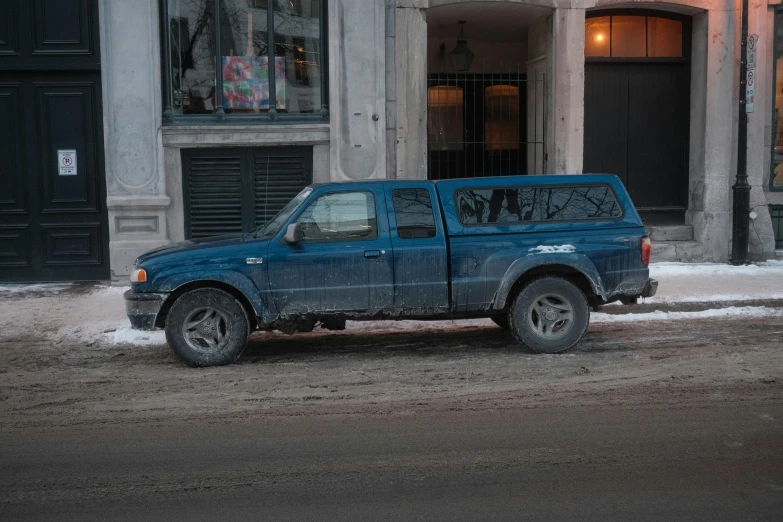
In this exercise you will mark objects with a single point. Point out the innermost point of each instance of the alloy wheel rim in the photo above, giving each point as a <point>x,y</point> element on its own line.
<point>206,330</point>
<point>551,316</point>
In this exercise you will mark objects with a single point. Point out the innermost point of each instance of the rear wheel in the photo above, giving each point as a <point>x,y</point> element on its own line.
<point>550,315</point>
<point>207,327</point>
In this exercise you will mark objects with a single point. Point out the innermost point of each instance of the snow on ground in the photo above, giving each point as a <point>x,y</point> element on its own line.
<point>60,312</point>
<point>732,311</point>
<point>662,270</point>
<point>34,288</point>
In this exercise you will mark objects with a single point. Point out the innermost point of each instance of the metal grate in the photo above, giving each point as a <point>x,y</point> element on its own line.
<point>486,123</point>
<point>776,213</point>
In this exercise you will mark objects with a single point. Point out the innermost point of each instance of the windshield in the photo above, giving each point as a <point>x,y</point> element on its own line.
<point>272,227</point>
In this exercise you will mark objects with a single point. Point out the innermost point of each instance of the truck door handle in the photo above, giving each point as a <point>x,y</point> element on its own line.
<point>372,253</point>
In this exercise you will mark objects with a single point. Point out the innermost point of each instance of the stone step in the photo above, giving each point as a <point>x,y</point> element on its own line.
<point>670,232</point>
<point>682,251</point>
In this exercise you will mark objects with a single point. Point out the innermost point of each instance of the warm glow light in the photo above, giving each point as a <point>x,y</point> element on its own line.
<point>599,37</point>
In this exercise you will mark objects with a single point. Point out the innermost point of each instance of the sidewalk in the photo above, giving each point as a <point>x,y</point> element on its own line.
<point>90,313</point>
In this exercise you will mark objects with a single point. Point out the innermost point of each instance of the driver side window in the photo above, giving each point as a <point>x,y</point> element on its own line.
<point>339,216</point>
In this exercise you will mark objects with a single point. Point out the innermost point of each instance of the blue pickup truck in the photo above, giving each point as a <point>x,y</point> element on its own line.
<point>533,253</point>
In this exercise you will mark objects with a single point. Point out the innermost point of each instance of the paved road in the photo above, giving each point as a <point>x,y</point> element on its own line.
<point>675,420</point>
<point>719,463</point>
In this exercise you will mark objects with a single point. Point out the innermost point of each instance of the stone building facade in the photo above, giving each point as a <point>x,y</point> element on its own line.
<point>373,89</point>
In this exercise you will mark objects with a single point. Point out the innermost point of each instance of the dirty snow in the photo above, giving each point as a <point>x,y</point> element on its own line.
<point>553,249</point>
<point>127,335</point>
<point>732,311</point>
<point>713,269</point>
<point>34,288</point>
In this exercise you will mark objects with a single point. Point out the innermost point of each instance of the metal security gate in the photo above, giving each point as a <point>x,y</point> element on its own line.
<point>481,125</point>
<point>53,197</point>
<point>237,189</point>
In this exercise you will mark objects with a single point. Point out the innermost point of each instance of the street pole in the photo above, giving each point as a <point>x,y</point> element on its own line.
<point>740,229</point>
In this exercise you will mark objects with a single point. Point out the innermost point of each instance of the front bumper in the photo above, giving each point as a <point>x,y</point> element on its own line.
<point>650,288</point>
<point>143,308</point>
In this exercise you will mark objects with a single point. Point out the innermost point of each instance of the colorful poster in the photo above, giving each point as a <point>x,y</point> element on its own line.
<point>246,82</point>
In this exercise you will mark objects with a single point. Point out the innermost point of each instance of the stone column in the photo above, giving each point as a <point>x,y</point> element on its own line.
<point>713,131</point>
<point>411,91</point>
<point>568,92</point>
<point>132,112</point>
<point>762,236</point>
<point>357,78</point>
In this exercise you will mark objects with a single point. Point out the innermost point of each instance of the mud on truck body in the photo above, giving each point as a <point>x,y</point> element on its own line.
<point>533,253</point>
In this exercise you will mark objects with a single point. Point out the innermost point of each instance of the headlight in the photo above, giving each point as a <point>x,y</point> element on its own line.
<point>139,276</point>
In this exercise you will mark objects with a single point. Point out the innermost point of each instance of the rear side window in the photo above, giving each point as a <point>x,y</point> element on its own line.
<point>413,212</point>
<point>506,205</point>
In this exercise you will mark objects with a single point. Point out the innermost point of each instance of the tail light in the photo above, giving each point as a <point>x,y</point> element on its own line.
<point>646,249</point>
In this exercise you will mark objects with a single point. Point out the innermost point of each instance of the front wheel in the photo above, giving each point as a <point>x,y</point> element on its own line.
<point>550,315</point>
<point>207,327</point>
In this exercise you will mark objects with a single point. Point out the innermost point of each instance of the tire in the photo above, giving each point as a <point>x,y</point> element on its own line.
<point>207,327</point>
<point>549,315</point>
<point>501,321</point>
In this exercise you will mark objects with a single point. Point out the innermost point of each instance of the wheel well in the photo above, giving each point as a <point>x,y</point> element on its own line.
<point>566,272</point>
<point>160,321</point>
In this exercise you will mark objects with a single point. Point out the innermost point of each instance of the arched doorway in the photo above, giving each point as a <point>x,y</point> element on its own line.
<point>485,97</point>
<point>637,106</point>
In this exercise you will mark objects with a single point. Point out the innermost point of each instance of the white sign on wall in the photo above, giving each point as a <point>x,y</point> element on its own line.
<point>66,162</point>
<point>750,80</point>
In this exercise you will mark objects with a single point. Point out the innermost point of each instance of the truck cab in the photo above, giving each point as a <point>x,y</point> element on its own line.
<point>404,249</point>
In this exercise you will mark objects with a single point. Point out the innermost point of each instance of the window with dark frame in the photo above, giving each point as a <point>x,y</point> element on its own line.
<point>413,213</point>
<point>633,36</point>
<point>776,174</point>
<point>340,216</point>
<point>510,205</point>
<point>222,62</point>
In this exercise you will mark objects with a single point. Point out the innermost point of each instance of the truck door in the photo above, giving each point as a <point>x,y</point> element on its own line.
<point>344,261</point>
<point>421,279</point>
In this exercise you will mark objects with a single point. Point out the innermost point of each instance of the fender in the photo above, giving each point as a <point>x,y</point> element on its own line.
<point>578,262</point>
<point>234,279</point>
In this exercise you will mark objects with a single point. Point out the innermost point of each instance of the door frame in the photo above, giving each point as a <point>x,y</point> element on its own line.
<point>671,212</point>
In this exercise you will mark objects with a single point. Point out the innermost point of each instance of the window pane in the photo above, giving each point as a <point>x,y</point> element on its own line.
<point>512,205</point>
<point>597,36</point>
<point>777,173</point>
<point>664,37</point>
<point>413,213</point>
<point>445,125</point>
<point>298,52</point>
<point>501,117</point>
<point>628,36</point>
<point>243,51</point>
<point>340,216</point>
<point>192,37</point>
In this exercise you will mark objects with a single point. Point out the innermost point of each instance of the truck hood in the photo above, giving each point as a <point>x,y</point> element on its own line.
<point>195,244</point>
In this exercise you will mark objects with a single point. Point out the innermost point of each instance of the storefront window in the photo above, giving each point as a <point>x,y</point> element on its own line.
<point>221,61</point>
<point>776,176</point>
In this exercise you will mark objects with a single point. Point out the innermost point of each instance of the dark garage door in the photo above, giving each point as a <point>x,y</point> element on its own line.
<point>52,204</point>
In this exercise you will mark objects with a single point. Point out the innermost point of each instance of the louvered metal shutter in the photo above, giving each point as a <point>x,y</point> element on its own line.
<point>236,190</point>
<point>213,191</point>
<point>279,174</point>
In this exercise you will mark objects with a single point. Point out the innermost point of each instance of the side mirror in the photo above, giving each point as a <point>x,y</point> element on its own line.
<point>293,234</point>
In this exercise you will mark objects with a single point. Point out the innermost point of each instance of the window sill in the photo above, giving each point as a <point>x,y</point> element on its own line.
<point>244,134</point>
<point>283,119</point>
